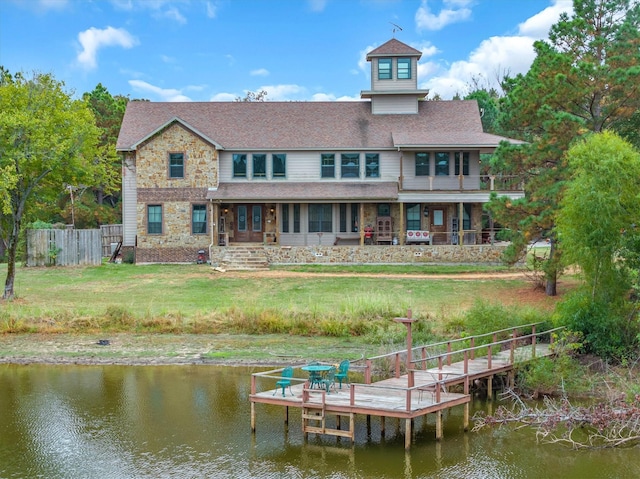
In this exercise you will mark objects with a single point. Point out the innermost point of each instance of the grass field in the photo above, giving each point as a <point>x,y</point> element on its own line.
<point>195,298</point>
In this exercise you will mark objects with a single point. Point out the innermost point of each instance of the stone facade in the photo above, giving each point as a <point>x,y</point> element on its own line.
<point>175,195</point>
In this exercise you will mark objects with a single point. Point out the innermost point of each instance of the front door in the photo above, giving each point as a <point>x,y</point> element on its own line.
<point>438,225</point>
<point>248,225</point>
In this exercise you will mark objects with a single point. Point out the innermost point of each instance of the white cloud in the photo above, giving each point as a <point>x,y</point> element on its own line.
<point>225,97</point>
<point>260,72</point>
<point>332,97</point>
<point>284,92</point>
<point>162,94</point>
<point>93,39</point>
<point>538,26</point>
<point>174,15</point>
<point>494,57</point>
<point>212,9</point>
<point>454,11</point>
<point>317,5</point>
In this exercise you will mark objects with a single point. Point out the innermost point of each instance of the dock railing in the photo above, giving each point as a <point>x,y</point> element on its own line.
<point>446,352</point>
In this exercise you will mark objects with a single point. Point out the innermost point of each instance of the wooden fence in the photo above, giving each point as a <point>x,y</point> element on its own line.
<point>111,234</point>
<point>64,247</point>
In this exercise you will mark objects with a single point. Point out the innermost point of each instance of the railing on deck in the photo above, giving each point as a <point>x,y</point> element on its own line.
<point>432,353</point>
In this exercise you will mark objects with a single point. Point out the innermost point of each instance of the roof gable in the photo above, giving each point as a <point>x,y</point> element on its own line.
<point>170,122</point>
<point>394,48</point>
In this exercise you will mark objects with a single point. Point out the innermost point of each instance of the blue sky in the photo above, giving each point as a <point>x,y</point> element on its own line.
<point>302,50</point>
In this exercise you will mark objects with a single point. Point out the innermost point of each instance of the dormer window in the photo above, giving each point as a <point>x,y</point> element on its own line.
<point>404,68</point>
<point>384,69</point>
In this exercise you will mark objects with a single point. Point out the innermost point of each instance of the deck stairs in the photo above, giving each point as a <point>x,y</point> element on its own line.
<point>314,419</point>
<point>245,258</point>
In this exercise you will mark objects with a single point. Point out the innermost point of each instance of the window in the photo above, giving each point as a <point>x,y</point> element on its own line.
<point>199,219</point>
<point>260,166</point>
<point>296,218</point>
<point>350,165</point>
<point>154,219</point>
<point>176,165</point>
<point>343,218</point>
<point>384,69</point>
<point>279,161</point>
<point>384,209</point>
<point>404,68</point>
<point>372,165</point>
<point>328,165</point>
<point>354,217</point>
<point>239,166</point>
<point>465,164</point>
<point>413,216</point>
<point>442,164</point>
<point>285,218</point>
<point>422,164</point>
<point>320,218</point>
<point>466,216</point>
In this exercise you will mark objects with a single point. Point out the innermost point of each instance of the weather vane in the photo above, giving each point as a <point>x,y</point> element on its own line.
<point>395,28</point>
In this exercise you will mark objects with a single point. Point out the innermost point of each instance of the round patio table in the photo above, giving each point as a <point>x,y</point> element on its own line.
<point>316,372</point>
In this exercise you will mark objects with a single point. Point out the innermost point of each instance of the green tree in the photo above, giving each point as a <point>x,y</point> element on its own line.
<point>584,79</point>
<point>108,111</point>
<point>599,211</point>
<point>47,140</point>
<point>253,96</point>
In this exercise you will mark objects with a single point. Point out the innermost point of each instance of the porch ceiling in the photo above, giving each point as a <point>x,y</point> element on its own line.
<point>307,192</point>
<point>454,196</point>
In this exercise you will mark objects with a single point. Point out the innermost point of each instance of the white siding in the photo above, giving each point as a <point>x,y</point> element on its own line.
<point>394,104</point>
<point>129,199</point>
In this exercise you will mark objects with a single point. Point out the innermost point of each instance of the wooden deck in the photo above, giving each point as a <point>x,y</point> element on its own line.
<point>422,390</point>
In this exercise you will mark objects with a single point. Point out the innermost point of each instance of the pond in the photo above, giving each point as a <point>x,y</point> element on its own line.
<point>194,422</point>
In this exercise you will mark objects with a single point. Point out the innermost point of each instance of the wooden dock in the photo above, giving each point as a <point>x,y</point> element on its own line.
<point>406,387</point>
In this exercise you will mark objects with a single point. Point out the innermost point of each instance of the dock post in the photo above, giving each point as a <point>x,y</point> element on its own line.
<point>253,416</point>
<point>490,387</point>
<point>382,426</point>
<point>465,420</point>
<point>286,415</point>
<point>407,433</point>
<point>439,425</point>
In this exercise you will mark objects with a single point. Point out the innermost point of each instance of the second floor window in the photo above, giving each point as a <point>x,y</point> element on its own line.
<point>199,219</point>
<point>176,165</point>
<point>404,68</point>
<point>260,166</point>
<point>154,219</point>
<point>279,161</point>
<point>384,69</point>
<point>442,163</point>
<point>239,166</point>
<point>328,165</point>
<point>422,164</point>
<point>350,165</point>
<point>372,165</point>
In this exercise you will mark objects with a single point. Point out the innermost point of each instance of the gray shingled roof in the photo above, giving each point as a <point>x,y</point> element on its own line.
<point>288,126</point>
<point>317,191</point>
<point>394,47</point>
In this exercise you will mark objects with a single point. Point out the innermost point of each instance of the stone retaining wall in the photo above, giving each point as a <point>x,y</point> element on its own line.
<point>468,254</point>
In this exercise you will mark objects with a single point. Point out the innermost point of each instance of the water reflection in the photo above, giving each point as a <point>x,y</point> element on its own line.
<point>193,421</point>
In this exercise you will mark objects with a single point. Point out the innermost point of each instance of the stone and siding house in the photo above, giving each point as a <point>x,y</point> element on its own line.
<point>390,170</point>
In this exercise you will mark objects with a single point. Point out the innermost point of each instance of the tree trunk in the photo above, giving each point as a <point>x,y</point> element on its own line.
<point>11,265</point>
<point>551,270</point>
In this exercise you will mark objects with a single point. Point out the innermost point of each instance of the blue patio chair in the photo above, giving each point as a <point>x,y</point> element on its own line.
<point>328,381</point>
<point>285,382</point>
<point>343,373</point>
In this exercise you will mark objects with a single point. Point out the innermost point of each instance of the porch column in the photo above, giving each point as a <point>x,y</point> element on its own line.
<point>361,229</point>
<point>460,222</point>
<point>402,232</point>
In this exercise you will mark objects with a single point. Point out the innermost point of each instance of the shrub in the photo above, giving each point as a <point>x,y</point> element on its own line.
<point>609,329</point>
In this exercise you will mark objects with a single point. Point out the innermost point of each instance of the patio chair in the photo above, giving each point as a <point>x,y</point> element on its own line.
<point>343,372</point>
<point>328,381</point>
<point>285,382</point>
